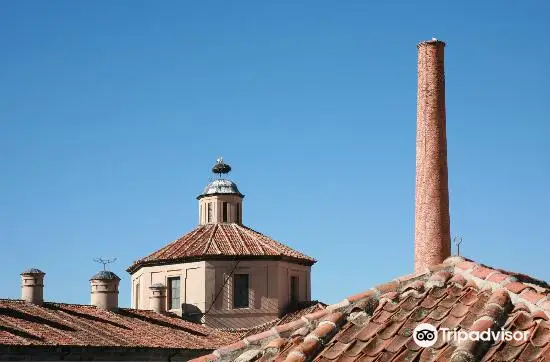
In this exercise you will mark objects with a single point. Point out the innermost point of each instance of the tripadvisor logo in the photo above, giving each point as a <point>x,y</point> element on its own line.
<point>425,335</point>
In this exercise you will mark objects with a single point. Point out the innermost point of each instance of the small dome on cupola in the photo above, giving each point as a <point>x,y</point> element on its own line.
<point>220,186</point>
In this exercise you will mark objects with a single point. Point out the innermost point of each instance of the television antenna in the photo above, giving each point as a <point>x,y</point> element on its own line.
<point>105,261</point>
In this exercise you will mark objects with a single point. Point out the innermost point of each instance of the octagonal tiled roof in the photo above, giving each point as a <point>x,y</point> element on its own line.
<point>218,241</point>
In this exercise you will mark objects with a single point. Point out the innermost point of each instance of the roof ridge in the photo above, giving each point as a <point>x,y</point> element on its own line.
<point>506,293</point>
<point>228,241</point>
<point>372,294</point>
<point>288,248</point>
<point>238,231</point>
<point>520,292</point>
<point>211,241</point>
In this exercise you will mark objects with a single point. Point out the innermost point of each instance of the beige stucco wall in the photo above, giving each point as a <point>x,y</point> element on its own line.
<point>104,293</point>
<point>192,281</point>
<point>201,282</point>
<point>269,293</point>
<point>217,209</point>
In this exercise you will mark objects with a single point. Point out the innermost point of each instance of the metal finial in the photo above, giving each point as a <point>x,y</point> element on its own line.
<point>457,240</point>
<point>221,167</point>
<point>104,261</point>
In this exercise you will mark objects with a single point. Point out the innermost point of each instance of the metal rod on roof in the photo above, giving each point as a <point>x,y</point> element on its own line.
<point>105,261</point>
<point>457,240</point>
<point>221,288</point>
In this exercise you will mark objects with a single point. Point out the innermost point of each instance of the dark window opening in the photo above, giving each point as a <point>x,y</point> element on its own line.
<point>225,207</point>
<point>238,212</point>
<point>174,293</point>
<point>293,290</point>
<point>240,291</point>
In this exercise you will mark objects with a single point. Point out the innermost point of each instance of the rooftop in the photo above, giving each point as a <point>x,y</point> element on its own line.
<point>377,325</point>
<point>33,271</point>
<point>105,275</point>
<point>220,187</point>
<point>56,324</point>
<point>221,240</point>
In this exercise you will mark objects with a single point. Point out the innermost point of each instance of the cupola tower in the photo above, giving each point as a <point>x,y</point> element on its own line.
<point>221,200</point>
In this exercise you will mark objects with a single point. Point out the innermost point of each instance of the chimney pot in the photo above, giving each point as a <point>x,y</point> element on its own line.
<point>432,224</point>
<point>32,286</point>
<point>105,290</point>
<point>158,297</point>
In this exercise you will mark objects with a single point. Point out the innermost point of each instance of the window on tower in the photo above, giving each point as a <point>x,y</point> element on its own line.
<point>225,207</point>
<point>174,293</point>
<point>238,213</point>
<point>240,291</point>
<point>137,296</point>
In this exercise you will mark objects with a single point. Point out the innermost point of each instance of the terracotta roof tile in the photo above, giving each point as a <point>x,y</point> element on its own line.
<point>377,325</point>
<point>22,323</point>
<point>221,240</point>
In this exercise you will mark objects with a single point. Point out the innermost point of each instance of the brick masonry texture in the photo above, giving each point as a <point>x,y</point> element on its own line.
<point>432,225</point>
<point>377,325</point>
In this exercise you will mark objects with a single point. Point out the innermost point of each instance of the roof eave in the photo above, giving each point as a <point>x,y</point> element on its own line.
<point>140,264</point>
<point>219,194</point>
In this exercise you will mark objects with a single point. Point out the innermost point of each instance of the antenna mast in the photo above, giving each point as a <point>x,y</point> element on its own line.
<point>105,261</point>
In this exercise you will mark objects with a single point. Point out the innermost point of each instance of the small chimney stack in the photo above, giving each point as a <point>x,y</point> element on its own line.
<point>105,290</point>
<point>432,224</point>
<point>158,297</point>
<point>32,286</point>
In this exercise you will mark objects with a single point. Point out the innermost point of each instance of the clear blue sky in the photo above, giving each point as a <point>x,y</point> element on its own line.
<point>112,114</point>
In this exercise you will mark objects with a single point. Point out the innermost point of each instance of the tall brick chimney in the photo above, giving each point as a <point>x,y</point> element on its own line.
<point>432,240</point>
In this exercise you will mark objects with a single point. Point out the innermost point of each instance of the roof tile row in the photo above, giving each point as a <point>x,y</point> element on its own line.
<point>377,325</point>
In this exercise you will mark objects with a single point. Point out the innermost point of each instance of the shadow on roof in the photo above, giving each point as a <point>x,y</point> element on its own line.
<point>84,315</point>
<point>20,333</point>
<point>34,319</point>
<point>131,314</point>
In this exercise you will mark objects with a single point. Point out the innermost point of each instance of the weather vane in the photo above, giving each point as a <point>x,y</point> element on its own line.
<point>457,240</point>
<point>221,167</point>
<point>104,261</point>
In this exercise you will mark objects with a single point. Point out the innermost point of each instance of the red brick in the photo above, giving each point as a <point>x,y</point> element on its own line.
<point>432,224</point>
